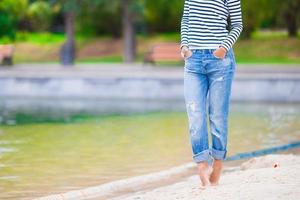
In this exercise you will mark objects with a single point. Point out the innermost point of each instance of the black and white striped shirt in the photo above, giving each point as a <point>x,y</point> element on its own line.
<point>204,22</point>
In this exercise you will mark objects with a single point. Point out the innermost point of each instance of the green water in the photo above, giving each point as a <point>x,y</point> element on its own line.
<point>38,159</point>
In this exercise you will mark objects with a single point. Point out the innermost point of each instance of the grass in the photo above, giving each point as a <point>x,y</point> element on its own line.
<point>264,47</point>
<point>270,35</point>
<point>40,38</point>
<point>268,51</point>
<point>106,59</point>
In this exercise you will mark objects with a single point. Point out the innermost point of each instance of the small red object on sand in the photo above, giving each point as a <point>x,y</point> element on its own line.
<point>276,165</point>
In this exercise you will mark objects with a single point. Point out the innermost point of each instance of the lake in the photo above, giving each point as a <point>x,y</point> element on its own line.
<point>40,157</point>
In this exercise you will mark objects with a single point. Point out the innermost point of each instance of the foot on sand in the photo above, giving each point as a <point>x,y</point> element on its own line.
<point>216,173</point>
<point>204,171</point>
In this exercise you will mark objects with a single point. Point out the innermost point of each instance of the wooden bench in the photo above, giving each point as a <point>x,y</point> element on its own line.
<point>6,54</point>
<point>163,52</point>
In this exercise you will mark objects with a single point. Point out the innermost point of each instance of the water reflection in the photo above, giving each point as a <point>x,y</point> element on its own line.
<point>42,158</point>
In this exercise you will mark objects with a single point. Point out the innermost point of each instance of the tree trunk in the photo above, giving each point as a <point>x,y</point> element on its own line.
<point>291,16</point>
<point>291,22</point>
<point>67,53</point>
<point>128,33</point>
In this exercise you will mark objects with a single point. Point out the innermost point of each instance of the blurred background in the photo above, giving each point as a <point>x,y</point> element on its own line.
<point>37,29</point>
<point>91,91</point>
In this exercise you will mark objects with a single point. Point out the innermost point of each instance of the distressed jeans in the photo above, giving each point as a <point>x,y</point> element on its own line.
<point>208,79</point>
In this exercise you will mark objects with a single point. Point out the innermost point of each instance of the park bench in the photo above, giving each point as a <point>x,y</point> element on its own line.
<point>163,52</point>
<point>6,54</point>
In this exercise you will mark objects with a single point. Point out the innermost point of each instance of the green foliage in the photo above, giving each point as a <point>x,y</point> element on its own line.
<point>163,15</point>
<point>254,12</point>
<point>289,15</point>
<point>151,16</point>
<point>7,29</point>
<point>15,8</point>
<point>104,17</point>
<point>270,14</point>
<point>39,15</point>
<point>10,12</point>
<point>99,18</point>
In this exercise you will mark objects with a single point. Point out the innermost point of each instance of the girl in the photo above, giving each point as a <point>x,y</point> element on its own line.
<point>206,46</point>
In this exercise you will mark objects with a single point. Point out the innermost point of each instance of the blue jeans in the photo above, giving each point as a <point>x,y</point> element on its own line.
<point>208,78</point>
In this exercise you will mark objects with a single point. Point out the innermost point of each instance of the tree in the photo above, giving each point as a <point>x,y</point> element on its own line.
<point>290,12</point>
<point>92,19</point>
<point>163,16</point>
<point>128,32</point>
<point>39,14</point>
<point>67,52</point>
<point>10,12</point>
<point>254,12</point>
<point>129,13</point>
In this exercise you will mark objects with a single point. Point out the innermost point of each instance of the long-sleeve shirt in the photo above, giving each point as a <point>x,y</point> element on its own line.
<point>204,22</point>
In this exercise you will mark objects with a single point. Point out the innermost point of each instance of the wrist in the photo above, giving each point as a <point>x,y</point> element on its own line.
<point>183,46</point>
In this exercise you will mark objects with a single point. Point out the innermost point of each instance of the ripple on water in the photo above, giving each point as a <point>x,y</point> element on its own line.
<point>7,150</point>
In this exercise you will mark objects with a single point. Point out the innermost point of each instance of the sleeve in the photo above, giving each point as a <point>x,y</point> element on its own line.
<point>235,13</point>
<point>184,24</point>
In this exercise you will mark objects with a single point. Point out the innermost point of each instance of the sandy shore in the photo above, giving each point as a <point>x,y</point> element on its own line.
<point>256,178</point>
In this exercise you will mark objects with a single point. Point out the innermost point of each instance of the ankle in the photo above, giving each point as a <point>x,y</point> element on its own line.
<point>217,163</point>
<point>203,165</point>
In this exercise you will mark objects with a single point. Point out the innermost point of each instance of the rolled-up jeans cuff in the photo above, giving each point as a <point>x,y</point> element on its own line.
<point>202,156</point>
<point>218,154</point>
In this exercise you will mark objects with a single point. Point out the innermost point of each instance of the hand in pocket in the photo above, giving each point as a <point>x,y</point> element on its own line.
<point>186,52</point>
<point>220,53</point>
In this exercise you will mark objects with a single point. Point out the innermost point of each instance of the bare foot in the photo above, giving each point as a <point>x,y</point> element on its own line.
<point>216,173</point>
<point>204,172</point>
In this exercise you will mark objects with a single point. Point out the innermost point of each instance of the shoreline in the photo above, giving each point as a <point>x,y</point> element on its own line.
<point>266,177</point>
<point>149,186</point>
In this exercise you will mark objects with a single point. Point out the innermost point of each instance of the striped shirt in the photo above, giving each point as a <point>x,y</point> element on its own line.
<point>204,22</point>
